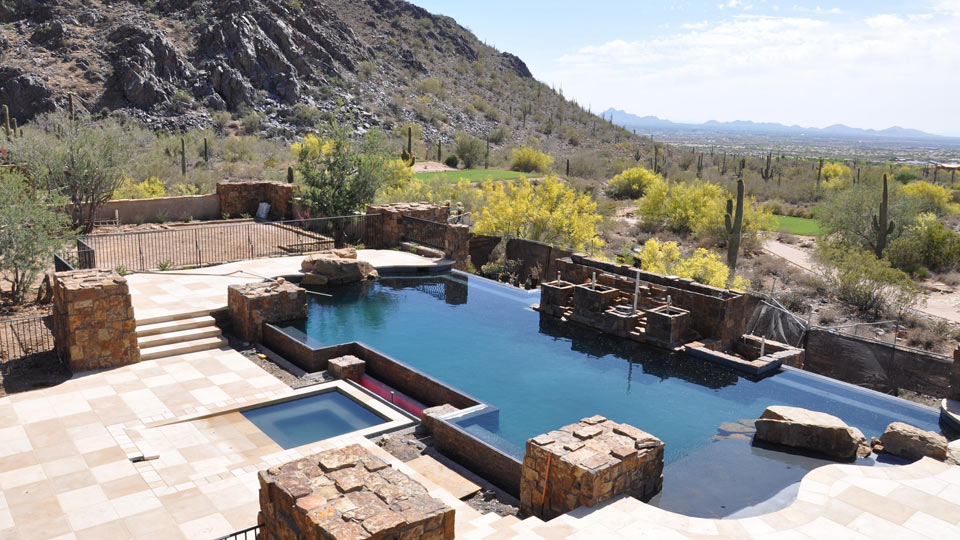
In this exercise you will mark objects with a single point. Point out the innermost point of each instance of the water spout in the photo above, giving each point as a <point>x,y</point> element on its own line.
<point>593,284</point>
<point>636,291</point>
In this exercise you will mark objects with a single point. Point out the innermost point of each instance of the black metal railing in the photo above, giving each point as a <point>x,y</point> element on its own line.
<point>204,245</point>
<point>20,338</point>
<point>424,232</point>
<point>246,534</point>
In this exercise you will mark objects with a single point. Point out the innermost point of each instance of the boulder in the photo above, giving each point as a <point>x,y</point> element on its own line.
<point>813,431</point>
<point>336,266</point>
<point>953,452</point>
<point>911,442</point>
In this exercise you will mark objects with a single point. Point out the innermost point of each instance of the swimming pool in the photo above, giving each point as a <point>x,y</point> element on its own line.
<point>483,338</point>
<point>313,418</point>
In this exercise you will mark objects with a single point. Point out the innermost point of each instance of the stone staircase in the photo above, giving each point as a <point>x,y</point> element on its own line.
<point>182,333</point>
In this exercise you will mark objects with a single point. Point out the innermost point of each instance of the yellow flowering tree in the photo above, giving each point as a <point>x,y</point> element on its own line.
<point>696,208</point>
<point>836,175</point>
<point>550,212</point>
<point>632,183</point>
<point>702,265</point>
<point>932,198</point>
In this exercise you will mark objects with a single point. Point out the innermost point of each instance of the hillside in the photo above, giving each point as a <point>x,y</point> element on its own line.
<point>181,64</point>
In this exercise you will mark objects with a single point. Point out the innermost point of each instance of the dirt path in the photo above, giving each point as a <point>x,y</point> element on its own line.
<point>430,166</point>
<point>942,302</point>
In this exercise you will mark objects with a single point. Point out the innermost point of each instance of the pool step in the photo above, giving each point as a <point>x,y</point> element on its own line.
<point>184,347</point>
<point>176,325</point>
<point>178,336</point>
<point>174,317</point>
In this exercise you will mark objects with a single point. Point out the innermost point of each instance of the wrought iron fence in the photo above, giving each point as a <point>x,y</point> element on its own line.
<point>20,338</point>
<point>423,232</point>
<point>246,534</point>
<point>204,245</point>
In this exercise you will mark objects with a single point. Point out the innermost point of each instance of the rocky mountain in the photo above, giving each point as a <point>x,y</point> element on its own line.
<point>653,123</point>
<point>177,64</point>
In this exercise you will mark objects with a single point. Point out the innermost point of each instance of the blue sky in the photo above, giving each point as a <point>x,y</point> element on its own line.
<point>865,64</point>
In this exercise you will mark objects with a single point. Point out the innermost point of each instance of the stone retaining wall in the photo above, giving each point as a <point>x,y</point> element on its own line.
<point>877,366</point>
<point>587,463</point>
<point>93,321</point>
<point>253,304</point>
<point>238,198</point>
<point>391,214</point>
<point>348,493</point>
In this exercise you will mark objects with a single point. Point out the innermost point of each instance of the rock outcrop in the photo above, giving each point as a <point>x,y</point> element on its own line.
<point>812,431</point>
<point>336,267</point>
<point>911,442</point>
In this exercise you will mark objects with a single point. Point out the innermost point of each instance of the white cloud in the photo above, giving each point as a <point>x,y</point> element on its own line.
<point>874,72</point>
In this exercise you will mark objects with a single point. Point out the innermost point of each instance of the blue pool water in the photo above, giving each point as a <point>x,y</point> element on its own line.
<point>305,420</point>
<point>484,339</point>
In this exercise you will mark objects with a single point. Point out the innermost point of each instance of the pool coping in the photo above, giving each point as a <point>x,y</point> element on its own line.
<point>393,418</point>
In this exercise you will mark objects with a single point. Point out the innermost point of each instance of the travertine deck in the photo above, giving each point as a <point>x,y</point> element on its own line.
<point>65,470</point>
<point>160,294</point>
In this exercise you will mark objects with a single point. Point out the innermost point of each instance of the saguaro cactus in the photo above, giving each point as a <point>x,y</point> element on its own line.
<point>6,121</point>
<point>881,225</point>
<point>767,172</point>
<point>407,154</point>
<point>73,109</point>
<point>289,175</point>
<point>183,156</point>
<point>700,166</point>
<point>439,149</point>
<point>636,155</point>
<point>206,151</point>
<point>733,222</point>
<point>819,170</point>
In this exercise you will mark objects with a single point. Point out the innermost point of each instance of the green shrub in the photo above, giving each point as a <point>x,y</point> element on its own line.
<point>925,244</point>
<point>221,119</point>
<point>498,135</point>
<point>869,284</point>
<point>305,115</point>
<point>452,161</point>
<point>432,86</point>
<point>906,175</point>
<point>252,122</point>
<point>527,159</point>
<point>470,150</point>
<point>632,183</point>
<point>181,101</point>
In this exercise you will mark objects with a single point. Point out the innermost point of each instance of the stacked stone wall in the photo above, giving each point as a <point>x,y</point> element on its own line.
<point>586,463</point>
<point>392,214</point>
<point>237,198</point>
<point>93,320</point>
<point>955,375</point>
<point>348,493</point>
<point>254,304</point>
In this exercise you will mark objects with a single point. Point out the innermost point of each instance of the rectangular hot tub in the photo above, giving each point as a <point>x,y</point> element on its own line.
<point>314,418</point>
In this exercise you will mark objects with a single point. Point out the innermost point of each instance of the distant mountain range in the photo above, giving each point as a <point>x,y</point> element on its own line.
<point>652,123</point>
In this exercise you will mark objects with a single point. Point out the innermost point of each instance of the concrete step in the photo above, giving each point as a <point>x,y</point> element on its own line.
<point>184,347</point>
<point>180,336</point>
<point>144,330</point>
<point>174,317</point>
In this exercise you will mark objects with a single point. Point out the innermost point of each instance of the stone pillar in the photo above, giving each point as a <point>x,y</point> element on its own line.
<point>457,245</point>
<point>587,463</point>
<point>955,375</point>
<point>347,367</point>
<point>348,493</point>
<point>254,304</point>
<point>238,198</point>
<point>93,322</point>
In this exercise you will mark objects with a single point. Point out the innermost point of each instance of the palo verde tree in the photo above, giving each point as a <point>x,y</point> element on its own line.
<point>73,157</point>
<point>32,229</point>
<point>551,212</point>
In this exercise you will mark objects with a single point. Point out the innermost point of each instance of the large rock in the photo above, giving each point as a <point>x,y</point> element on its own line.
<point>911,442</point>
<point>811,430</point>
<point>337,266</point>
<point>953,452</point>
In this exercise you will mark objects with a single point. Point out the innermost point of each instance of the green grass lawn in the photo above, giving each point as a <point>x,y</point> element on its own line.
<point>796,225</point>
<point>473,175</point>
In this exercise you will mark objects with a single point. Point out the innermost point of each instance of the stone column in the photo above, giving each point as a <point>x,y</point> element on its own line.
<point>254,304</point>
<point>457,245</point>
<point>587,463</point>
<point>348,493</point>
<point>93,322</point>
<point>955,375</point>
